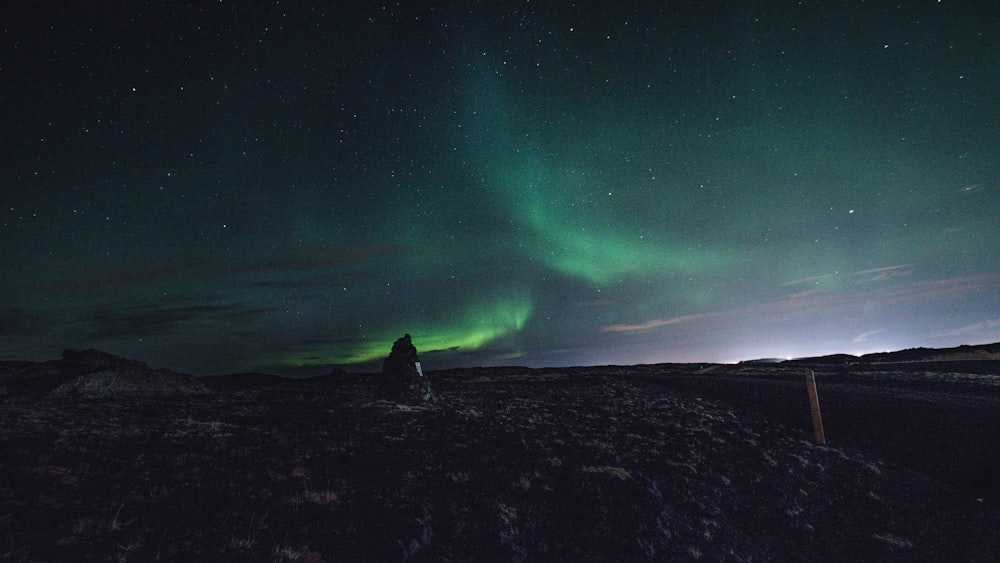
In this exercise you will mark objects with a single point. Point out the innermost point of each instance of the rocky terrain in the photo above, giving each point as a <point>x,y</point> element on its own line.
<point>683,462</point>
<point>92,373</point>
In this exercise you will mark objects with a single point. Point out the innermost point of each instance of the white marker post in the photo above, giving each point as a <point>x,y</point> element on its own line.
<point>420,372</point>
<point>814,407</point>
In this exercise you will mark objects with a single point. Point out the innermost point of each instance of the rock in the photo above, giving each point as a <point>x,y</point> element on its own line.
<point>402,377</point>
<point>93,373</point>
<point>130,382</point>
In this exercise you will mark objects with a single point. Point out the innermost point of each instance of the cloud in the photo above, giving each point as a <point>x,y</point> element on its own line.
<point>885,273</point>
<point>866,336</point>
<point>949,288</point>
<point>656,323</point>
<point>110,275</point>
<point>807,280</point>
<point>18,320</point>
<point>986,331</point>
<point>332,257</point>
<point>816,302</point>
<point>873,275</point>
<point>831,302</point>
<point>160,319</point>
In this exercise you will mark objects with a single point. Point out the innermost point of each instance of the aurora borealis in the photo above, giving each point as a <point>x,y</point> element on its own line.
<point>290,186</point>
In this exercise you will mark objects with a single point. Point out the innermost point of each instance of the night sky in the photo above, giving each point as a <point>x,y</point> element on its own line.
<point>287,187</point>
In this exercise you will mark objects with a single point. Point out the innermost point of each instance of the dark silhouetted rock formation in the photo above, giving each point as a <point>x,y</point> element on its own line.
<point>92,373</point>
<point>401,375</point>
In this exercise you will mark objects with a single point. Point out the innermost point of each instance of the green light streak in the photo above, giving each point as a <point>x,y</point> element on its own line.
<point>479,324</point>
<point>575,239</point>
<point>604,256</point>
<point>572,219</point>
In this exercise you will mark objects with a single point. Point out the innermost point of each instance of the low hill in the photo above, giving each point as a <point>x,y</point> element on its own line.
<point>92,373</point>
<point>964,353</point>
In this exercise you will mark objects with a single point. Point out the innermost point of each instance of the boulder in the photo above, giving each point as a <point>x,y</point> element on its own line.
<point>402,377</point>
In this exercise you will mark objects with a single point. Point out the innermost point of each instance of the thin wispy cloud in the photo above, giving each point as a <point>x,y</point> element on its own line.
<point>812,279</point>
<point>988,330</point>
<point>655,323</point>
<point>115,275</point>
<point>866,336</point>
<point>882,274</point>
<point>819,303</point>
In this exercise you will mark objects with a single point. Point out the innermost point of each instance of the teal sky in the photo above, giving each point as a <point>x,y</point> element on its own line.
<point>291,187</point>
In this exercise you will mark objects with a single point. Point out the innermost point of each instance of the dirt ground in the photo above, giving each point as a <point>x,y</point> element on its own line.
<point>581,464</point>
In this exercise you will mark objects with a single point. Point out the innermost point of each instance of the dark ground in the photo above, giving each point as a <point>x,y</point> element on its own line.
<point>656,462</point>
<point>920,420</point>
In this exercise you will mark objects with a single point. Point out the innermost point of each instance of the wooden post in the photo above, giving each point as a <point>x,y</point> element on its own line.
<point>814,407</point>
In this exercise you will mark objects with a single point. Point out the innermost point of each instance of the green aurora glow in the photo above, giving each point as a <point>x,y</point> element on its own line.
<point>517,184</point>
<point>477,325</point>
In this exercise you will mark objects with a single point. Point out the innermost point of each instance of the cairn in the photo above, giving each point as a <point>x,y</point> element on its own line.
<point>402,377</point>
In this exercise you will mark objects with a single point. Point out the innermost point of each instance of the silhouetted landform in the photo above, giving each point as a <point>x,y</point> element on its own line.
<point>92,373</point>
<point>832,359</point>
<point>765,361</point>
<point>980,352</point>
<point>665,462</point>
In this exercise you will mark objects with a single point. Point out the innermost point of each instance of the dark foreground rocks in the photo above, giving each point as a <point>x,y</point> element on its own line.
<point>525,466</point>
